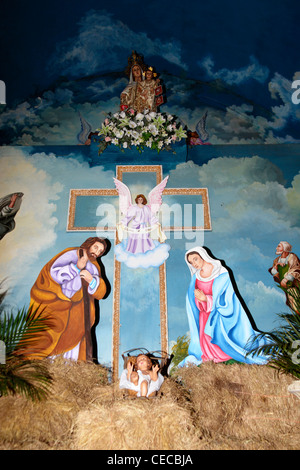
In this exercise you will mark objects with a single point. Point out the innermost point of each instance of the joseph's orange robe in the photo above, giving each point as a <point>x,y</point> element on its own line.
<point>66,314</point>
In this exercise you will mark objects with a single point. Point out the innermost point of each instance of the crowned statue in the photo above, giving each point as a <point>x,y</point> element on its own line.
<point>143,90</point>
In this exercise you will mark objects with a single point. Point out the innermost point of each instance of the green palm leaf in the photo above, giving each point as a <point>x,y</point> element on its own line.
<point>19,331</point>
<point>284,340</point>
<point>28,378</point>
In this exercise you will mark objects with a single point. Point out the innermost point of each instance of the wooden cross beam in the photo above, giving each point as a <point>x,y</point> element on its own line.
<point>71,226</point>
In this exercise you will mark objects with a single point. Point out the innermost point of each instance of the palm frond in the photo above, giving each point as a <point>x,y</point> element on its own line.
<point>283,340</point>
<point>29,378</point>
<point>20,330</point>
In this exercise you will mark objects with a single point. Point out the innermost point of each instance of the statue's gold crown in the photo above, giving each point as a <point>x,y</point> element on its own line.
<point>135,59</point>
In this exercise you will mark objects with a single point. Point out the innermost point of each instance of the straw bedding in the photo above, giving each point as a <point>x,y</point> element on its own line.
<point>214,406</point>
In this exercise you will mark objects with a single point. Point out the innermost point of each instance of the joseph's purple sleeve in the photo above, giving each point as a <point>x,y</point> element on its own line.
<point>65,272</point>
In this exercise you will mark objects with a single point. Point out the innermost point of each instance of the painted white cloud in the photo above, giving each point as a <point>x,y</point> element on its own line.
<point>254,70</point>
<point>257,296</point>
<point>53,118</point>
<point>151,259</point>
<point>293,198</point>
<point>45,180</point>
<point>35,221</point>
<point>251,212</point>
<point>103,42</point>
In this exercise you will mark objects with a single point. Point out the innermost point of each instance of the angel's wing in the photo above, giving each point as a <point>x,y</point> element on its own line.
<point>154,196</point>
<point>201,128</point>
<point>86,129</point>
<point>124,196</point>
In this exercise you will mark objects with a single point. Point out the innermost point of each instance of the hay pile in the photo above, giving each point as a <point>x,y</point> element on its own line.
<point>215,406</point>
<point>243,407</point>
<point>48,424</point>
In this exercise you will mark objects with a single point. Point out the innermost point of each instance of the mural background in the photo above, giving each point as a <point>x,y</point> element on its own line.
<point>254,202</point>
<point>235,60</point>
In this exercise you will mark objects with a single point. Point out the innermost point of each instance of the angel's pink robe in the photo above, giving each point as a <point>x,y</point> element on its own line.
<point>139,218</point>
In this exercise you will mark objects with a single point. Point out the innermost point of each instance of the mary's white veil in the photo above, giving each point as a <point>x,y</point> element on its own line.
<point>217,266</point>
<point>131,81</point>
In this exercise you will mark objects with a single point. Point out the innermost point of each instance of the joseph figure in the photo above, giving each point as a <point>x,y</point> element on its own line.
<point>66,290</point>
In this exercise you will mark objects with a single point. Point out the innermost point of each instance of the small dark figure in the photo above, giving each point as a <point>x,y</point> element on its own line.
<point>9,206</point>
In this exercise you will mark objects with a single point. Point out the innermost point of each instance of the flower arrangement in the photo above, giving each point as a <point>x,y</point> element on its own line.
<point>125,129</point>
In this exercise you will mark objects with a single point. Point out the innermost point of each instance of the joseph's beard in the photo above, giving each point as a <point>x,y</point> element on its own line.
<point>279,252</point>
<point>91,256</point>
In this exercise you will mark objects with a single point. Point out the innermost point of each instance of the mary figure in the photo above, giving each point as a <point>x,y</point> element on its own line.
<point>129,94</point>
<point>143,91</point>
<point>220,329</point>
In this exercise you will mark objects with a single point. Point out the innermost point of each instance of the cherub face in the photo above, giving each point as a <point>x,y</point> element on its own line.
<point>143,362</point>
<point>149,75</point>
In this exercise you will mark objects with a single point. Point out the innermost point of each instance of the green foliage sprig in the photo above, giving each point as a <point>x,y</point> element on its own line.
<point>18,332</point>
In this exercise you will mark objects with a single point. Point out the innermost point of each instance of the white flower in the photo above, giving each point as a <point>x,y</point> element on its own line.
<point>135,134</point>
<point>122,114</point>
<point>152,114</point>
<point>169,128</point>
<point>132,124</point>
<point>160,144</point>
<point>153,129</point>
<point>170,117</point>
<point>119,133</point>
<point>125,145</point>
<point>115,141</point>
<point>148,117</point>
<point>139,116</point>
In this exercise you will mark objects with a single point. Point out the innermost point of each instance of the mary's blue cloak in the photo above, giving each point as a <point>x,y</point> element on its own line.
<point>228,324</point>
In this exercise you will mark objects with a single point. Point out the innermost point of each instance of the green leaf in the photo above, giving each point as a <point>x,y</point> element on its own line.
<point>282,270</point>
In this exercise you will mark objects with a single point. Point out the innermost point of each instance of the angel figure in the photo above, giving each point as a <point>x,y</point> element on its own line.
<point>139,220</point>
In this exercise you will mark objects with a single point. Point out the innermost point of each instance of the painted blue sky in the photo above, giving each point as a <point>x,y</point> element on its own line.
<point>204,39</point>
<point>237,59</point>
